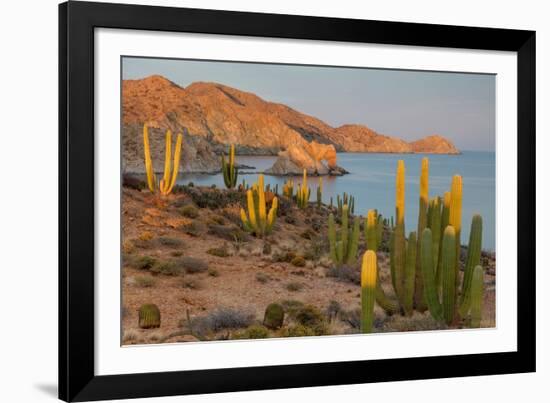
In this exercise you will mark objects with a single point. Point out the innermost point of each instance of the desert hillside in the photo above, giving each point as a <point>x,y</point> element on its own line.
<point>216,115</point>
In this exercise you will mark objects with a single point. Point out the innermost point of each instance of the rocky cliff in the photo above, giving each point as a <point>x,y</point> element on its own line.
<point>216,115</point>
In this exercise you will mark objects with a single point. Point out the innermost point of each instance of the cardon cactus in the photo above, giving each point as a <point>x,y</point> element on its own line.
<point>288,189</point>
<point>170,175</point>
<point>448,264</point>
<point>476,297</point>
<point>303,193</point>
<point>428,272</point>
<point>472,261</point>
<point>419,302</point>
<point>320,193</point>
<point>149,316</point>
<point>455,219</point>
<point>399,243</point>
<point>343,245</point>
<point>368,290</point>
<point>257,221</point>
<point>229,170</point>
<point>274,316</point>
<point>409,279</point>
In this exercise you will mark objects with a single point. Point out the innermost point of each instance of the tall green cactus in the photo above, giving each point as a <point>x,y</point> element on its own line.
<point>288,189</point>
<point>472,261</point>
<point>419,302</point>
<point>455,219</point>
<point>409,280</point>
<point>399,242</point>
<point>448,265</point>
<point>428,272</point>
<point>320,193</point>
<point>368,290</point>
<point>476,292</point>
<point>343,246</point>
<point>303,193</point>
<point>229,170</point>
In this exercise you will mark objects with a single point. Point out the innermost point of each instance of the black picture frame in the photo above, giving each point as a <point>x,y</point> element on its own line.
<point>77,379</point>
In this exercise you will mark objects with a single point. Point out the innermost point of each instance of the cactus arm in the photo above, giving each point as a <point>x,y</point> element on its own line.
<point>444,224</point>
<point>344,231</point>
<point>448,262</point>
<point>400,193</point>
<point>472,261</point>
<point>272,215</point>
<point>419,301</point>
<point>368,290</point>
<point>354,241</point>
<point>409,280</point>
<point>176,168</point>
<point>455,219</point>
<point>339,253</point>
<point>151,178</point>
<point>332,238</point>
<point>251,210</point>
<point>430,288</point>
<point>370,231</point>
<point>167,160</point>
<point>476,297</point>
<point>262,218</point>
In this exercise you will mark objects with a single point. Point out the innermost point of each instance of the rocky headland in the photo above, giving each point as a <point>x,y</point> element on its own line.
<point>215,115</point>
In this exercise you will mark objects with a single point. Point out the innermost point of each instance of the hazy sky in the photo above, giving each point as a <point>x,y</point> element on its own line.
<point>406,104</point>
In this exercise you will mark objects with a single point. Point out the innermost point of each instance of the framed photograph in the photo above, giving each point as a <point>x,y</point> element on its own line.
<point>257,201</point>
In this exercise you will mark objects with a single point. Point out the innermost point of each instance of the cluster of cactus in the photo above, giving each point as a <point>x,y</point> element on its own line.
<point>166,184</point>
<point>343,244</point>
<point>288,189</point>
<point>229,170</point>
<point>425,273</point>
<point>303,192</point>
<point>345,199</point>
<point>320,193</point>
<point>258,220</point>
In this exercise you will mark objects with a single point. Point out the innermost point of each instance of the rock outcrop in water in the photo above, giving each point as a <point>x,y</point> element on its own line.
<point>217,115</point>
<point>315,158</point>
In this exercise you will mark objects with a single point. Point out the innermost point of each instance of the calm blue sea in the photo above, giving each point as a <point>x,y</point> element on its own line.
<point>372,182</point>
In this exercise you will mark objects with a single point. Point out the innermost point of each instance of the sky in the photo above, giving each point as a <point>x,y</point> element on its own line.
<point>401,103</point>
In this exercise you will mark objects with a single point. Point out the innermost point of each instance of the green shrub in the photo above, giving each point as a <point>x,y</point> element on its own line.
<point>189,211</point>
<point>253,332</point>
<point>213,273</point>
<point>170,242</point>
<point>217,220</point>
<point>176,253</point>
<point>145,281</point>
<point>294,286</point>
<point>221,251</point>
<point>262,278</point>
<point>291,306</point>
<point>297,331</point>
<point>192,265</point>
<point>194,228</point>
<point>144,262</point>
<point>266,250</point>
<point>274,316</point>
<point>170,268</point>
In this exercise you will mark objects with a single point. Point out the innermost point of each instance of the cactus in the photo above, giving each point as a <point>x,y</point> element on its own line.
<point>419,302</point>
<point>476,297</point>
<point>371,231</point>
<point>434,223</point>
<point>399,243</point>
<point>472,261</point>
<point>229,170</point>
<point>368,289</point>
<point>320,193</point>
<point>444,222</point>
<point>257,221</point>
<point>170,175</point>
<point>448,267</point>
<point>149,316</point>
<point>302,195</point>
<point>428,272</point>
<point>288,189</point>
<point>345,199</point>
<point>343,248</point>
<point>455,219</point>
<point>274,316</point>
<point>409,279</point>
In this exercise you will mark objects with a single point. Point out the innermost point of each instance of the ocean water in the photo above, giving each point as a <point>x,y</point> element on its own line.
<point>372,181</point>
